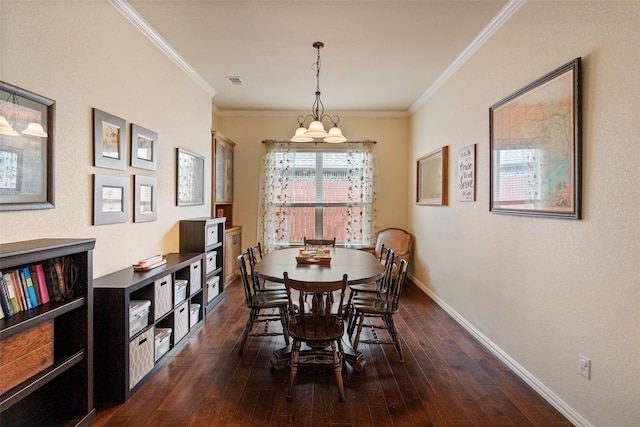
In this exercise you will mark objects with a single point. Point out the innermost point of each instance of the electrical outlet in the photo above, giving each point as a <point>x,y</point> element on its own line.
<point>584,366</point>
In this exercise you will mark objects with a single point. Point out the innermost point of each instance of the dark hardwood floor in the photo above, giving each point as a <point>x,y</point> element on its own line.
<point>447,379</point>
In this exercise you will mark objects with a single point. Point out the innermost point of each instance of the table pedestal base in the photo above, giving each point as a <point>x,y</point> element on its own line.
<point>282,356</point>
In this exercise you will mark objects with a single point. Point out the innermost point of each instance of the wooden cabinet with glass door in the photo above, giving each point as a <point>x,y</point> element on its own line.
<point>223,177</point>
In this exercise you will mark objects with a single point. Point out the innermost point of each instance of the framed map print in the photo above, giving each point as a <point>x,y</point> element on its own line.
<point>27,179</point>
<point>535,145</point>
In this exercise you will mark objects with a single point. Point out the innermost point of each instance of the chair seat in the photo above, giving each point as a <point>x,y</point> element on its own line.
<point>374,306</point>
<point>268,300</point>
<point>364,287</point>
<point>268,285</point>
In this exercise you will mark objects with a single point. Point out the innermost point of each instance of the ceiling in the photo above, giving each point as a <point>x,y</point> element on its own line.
<point>378,55</point>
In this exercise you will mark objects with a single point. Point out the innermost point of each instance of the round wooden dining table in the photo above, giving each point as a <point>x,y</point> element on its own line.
<point>359,266</point>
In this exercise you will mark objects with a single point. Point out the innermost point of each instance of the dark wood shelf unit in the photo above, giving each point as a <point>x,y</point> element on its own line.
<point>207,235</point>
<point>61,394</point>
<point>113,293</point>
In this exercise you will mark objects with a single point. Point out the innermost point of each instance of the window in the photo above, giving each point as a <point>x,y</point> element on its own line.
<point>317,192</point>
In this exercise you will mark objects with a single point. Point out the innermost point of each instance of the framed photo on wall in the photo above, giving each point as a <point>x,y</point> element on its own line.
<point>110,199</point>
<point>432,178</point>
<point>190,178</point>
<point>27,179</point>
<point>109,141</point>
<point>144,148</point>
<point>535,144</point>
<point>145,197</point>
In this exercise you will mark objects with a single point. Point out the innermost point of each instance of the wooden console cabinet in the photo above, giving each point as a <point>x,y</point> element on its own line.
<point>124,360</point>
<point>62,393</point>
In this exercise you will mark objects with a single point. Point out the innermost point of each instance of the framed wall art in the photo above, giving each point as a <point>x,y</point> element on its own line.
<point>27,179</point>
<point>145,196</point>
<point>432,178</point>
<point>144,148</point>
<point>190,178</point>
<point>110,199</point>
<point>535,144</point>
<point>467,174</point>
<point>109,141</point>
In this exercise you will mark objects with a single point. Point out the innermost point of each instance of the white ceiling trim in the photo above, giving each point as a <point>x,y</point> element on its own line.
<point>291,113</point>
<point>505,13</point>
<point>130,13</point>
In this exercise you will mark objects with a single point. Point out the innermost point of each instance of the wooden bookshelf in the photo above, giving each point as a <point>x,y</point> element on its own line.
<point>62,393</point>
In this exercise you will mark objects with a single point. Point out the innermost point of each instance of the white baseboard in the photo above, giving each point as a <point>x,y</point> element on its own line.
<point>525,375</point>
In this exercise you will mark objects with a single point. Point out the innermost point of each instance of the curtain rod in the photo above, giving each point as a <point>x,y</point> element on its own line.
<point>320,142</point>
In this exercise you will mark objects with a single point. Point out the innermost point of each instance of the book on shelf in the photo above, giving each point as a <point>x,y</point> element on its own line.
<point>11,292</point>
<point>52,280</point>
<point>37,274</point>
<point>4,299</point>
<point>19,289</point>
<point>57,262</point>
<point>25,276</point>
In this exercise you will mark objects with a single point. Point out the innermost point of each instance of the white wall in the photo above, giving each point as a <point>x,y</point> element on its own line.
<point>391,150</point>
<point>545,290</point>
<point>84,55</point>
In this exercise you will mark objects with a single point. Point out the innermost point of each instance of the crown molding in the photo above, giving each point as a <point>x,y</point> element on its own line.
<point>295,113</point>
<point>130,13</point>
<point>503,16</point>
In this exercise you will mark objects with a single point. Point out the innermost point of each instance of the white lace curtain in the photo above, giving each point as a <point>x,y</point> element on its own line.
<point>276,188</point>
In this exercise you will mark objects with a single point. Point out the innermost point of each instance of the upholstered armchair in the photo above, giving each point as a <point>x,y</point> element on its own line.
<point>395,238</point>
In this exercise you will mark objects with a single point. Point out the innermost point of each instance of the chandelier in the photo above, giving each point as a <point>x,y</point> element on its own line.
<point>316,128</point>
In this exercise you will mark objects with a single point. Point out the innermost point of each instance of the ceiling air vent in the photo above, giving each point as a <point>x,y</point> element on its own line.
<point>235,81</point>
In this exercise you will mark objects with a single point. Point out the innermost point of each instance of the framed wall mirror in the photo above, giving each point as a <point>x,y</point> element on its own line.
<point>432,178</point>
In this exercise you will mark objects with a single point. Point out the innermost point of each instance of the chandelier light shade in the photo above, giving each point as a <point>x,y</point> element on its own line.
<point>316,128</point>
<point>300,135</point>
<point>335,135</point>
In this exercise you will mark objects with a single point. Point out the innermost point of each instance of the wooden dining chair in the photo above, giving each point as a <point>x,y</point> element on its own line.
<point>383,307</point>
<point>261,307</point>
<point>257,251</point>
<point>372,289</point>
<point>319,243</point>
<point>254,254</point>
<point>317,323</point>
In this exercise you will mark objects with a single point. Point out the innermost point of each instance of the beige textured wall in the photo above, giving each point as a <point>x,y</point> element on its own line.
<point>545,290</point>
<point>84,55</point>
<point>391,150</point>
